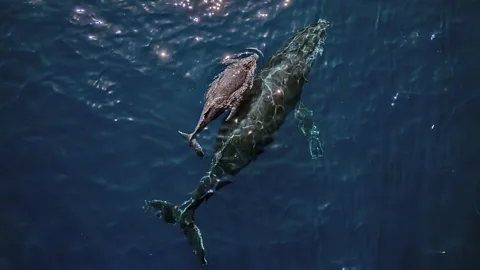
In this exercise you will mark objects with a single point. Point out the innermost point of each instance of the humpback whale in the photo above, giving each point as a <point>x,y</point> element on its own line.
<point>225,92</point>
<point>275,93</point>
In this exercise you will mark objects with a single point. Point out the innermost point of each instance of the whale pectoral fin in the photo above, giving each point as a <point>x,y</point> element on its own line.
<point>232,113</point>
<point>234,104</point>
<point>315,146</point>
<point>304,118</point>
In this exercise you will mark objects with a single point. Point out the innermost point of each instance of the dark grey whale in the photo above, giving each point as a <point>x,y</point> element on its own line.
<point>275,93</point>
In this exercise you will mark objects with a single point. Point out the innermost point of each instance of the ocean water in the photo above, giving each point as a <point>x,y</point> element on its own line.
<point>92,94</point>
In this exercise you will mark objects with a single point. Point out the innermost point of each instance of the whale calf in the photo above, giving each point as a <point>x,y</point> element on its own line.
<point>225,92</point>
<point>275,93</point>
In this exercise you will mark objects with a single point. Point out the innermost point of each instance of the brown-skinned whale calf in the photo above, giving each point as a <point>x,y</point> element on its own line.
<point>275,93</point>
<point>225,92</point>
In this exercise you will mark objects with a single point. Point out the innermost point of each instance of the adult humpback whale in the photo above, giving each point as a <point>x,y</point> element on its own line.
<point>276,91</point>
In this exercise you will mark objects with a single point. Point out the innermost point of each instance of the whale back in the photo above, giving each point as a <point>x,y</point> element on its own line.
<point>231,79</point>
<point>275,92</point>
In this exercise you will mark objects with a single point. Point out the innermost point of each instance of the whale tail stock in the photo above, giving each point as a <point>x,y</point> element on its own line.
<point>174,214</point>
<point>184,214</point>
<point>192,141</point>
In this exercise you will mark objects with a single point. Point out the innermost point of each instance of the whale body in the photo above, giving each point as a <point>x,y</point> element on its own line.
<point>225,92</point>
<point>275,92</point>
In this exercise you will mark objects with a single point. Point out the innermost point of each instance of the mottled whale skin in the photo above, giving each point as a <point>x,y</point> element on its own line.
<point>276,91</point>
<point>225,92</point>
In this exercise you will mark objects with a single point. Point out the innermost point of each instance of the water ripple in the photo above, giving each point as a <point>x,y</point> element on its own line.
<point>93,93</point>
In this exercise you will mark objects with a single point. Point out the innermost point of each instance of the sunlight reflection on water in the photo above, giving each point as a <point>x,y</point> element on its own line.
<point>145,31</point>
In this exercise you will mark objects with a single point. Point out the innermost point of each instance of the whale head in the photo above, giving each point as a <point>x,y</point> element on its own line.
<point>305,46</point>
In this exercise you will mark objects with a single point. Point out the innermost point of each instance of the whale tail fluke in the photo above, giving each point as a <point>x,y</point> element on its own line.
<point>173,214</point>
<point>193,143</point>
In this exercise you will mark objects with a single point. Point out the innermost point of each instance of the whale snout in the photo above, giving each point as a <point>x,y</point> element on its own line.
<point>322,23</point>
<point>314,40</point>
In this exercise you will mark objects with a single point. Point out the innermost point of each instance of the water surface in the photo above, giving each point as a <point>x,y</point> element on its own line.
<point>93,92</point>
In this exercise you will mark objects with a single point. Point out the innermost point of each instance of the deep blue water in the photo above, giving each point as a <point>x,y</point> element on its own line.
<point>93,92</point>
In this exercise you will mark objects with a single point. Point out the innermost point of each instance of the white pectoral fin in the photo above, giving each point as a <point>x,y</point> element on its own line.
<point>304,118</point>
